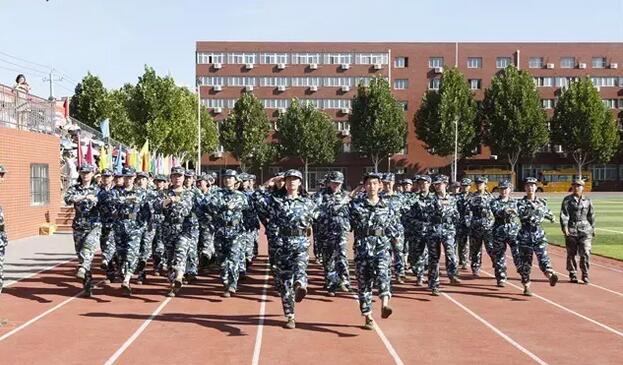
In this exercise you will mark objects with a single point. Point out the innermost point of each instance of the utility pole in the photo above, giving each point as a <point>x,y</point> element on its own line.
<point>51,81</point>
<point>456,148</point>
<point>198,166</point>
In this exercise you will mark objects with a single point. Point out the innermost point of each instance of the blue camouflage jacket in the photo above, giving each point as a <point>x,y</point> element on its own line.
<point>372,225</point>
<point>226,207</point>
<point>87,214</point>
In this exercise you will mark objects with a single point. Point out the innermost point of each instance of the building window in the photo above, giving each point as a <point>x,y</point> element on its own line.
<point>474,84</point>
<point>338,58</point>
<point>604,172</point>
<point>548,103</point>
<point>371,58</point>
<point>434,84</point>
<point>435,62</point>
<point>305,58</point>
<point>544,81</point>
<point>39,184</point>
<point>401,84</point>
<point>404,105</point>
<point>604,81</point>
<point>346,147</point>
<point>240,81</point>
<point>210,57</point>
<point>211,81</point>
<point>599,62</point>
<point>401,62</point>
<point>474,62</point>
<point>535,62</point>
<point>273,58</point>
<point>502,62</point>
<point>610,103</point>
<point>343,126</point>
<point>567,62</point>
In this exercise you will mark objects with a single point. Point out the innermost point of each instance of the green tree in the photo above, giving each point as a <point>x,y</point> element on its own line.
<point>245,129</point>
<point>514,120</point>
<point>122,128</point>
<point>377,121</point>
<point>90,101</point>
<point>446,114</point>
<point>308,134</point>
<point>583,126</point>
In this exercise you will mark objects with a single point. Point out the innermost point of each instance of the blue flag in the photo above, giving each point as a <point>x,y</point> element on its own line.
<point>118,162</point>
<point>105,128</point>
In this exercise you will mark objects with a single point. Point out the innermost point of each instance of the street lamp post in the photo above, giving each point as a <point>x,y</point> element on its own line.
<point>456,148</point>
<point>198,165</point>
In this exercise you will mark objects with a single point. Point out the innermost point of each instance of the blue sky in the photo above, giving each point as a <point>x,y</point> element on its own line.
<point>114,39</point>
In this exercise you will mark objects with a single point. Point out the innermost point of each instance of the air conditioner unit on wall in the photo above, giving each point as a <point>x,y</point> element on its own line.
<point>378,66</point>
<point>549,66</point>
<point>582,65</point>
<point>557,148</point>
<point>248,66</point>
<point>217,88</point>
<point>345,110</point>
<point>217,154</point>
<point>281,66</point>
<point>614,65</point>
<point>218,110</point>
<point>344,66</point>
<point>281,88</point>
<point>281,110</point>
<point>345,132</point>
<point>249,88</point>
<point>438,70</point>
<point>313,88</point>
<point>313,66</point>
<point>218,66</point>
<point>345,88</point>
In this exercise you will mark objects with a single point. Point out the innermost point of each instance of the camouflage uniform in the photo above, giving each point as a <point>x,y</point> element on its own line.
<point>577,215</point>
<point>531,236</point>
<point>505,231</point>
<point>396,202</point>
<point>462,228</point>
<point>206,230</point>
<point>479,218</point>
<point>443,219</point>
<point>251,226</point>
<point>87,225</point>
<point>149,233</point>
<point>293,217</point>
<point>261,199</point>
<point>106,206</point>
<point>417,230</point>
<point>157,247</point>
<point>373,226</point>
<point>331,232</point>
<point>192,266</point>
<point>226,208</point>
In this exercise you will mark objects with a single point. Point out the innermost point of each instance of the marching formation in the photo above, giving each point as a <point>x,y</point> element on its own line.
<point>185,224</point>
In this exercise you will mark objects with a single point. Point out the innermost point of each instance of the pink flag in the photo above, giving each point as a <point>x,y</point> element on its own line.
<point>80,155</point>
<point>89,156</point>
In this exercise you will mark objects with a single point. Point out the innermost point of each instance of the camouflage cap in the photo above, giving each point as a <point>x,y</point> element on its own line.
<point>389,177</point>
<point>531,180</point>
<point>425,178</point>
<point>578,181</point>
<point>293,173</point>
<point>481,179</point>
<point>189,173</point>
<point>407,181</point>
<point>107,172</point>
<point>201,177</point>
<point>372,175</point>
<point>243,176</point>
<point>455,184</point>
<point>252,177</point>
<point>504,184</point>
<point>128,171</point>
<point>466,181</point>
<point>177,170</point>
<point>142,174</point>
<point>160,177</point>
<point>230,173</point>
<point>335,177</point>
<point>440,179</point>
<point>86,168</point>
<point>280,174</point>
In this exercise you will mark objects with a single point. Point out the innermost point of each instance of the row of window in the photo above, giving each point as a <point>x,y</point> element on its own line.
<point>273,58</point>
<point>267,81</point>
<point>565,81</point>
<point>282,103</point>
<point>608,172</point>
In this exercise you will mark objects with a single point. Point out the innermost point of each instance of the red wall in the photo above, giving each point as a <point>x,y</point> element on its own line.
<point>18,149</point>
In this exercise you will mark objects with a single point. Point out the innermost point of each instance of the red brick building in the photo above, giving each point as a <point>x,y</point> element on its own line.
<point>327,74</point>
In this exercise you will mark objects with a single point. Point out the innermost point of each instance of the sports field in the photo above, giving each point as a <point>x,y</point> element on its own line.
<point>609,216</point>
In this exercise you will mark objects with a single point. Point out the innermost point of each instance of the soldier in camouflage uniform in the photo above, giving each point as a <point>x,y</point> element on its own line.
<point>106,206</point>
<point>256,227</point>
<point>532,210</point>
<point>251,225</point>
<point>397,204</point>
<point>176,204</point>
<point>87,225</point>
<point>317,244</point>
<point>443,219</point>
<point>132,216</point>
<point>417,227</point>
<point>226,207</point>
<point>462,228</point>
<point>292,212</point>
<point>373,225</point>
<point>4,241</point>
<point>577,221</point>
<point>505,231</point>
<point>192,266</point>
<point>158,250</point>
<point>262,198</point>
<point>149,232</point>
<point>331,232</point>
<point>206,231</point>
<point>479,219</point>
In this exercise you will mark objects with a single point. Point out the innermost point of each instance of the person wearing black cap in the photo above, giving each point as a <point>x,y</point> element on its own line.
<point>157,248</point>
<point>331,232</point>
<point>397,204</point>
<point>417,227</point>
<point>480,219</point>
<point>532,210</point>
<point>371,218</point>
<point>192,266</point>
<point>226,206</point>
<point>505,231</point>
<point>149,232</point>
<point>577,221</point>
<point>251,225</point>
<point>462,228</point>
<point>132,214</point>
<point>292,212</point>
<point>176,204</point>
<point>4,241</point>
<point>106,206</point>
<point>274,186</point>
<point>443,218</point>
<point>87,225</point>
<point>206,233</point>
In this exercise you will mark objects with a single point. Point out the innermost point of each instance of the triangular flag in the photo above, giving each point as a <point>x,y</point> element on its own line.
<point>89,156</point>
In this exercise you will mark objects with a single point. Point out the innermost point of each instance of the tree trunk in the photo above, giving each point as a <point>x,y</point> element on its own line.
<point>375,161</point>
<point>306,176</point>
<point>512,161</point>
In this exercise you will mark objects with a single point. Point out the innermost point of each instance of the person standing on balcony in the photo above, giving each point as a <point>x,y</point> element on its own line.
<point>21,89</point>
<point>3,238</point>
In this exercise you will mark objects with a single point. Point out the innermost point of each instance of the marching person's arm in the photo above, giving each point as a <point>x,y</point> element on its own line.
<point>590,216</point>
<point>564,217</point>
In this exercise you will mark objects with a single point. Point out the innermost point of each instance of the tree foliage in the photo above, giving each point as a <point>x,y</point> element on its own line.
<point>583,126</point>
<point>90,101</point>
<point>515,123</point>
<point>309,134</point>
<point>377,121</point>
<point>245,129</point>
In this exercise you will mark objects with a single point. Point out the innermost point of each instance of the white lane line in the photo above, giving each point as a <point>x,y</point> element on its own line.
<point>388,345</point>
<point>260,330</point>
<point>590,284</point>
<point>537,359</point>
<point>35,273</point>
<point>609,230</point>
<point>607,328</point>
<point>137,333</point>
<point>59,305</point>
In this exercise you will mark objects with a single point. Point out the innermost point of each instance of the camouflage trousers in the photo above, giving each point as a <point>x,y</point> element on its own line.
<point>441,237</point>
<point>462,243</point>
<point>108,248</point>
<point>373,270</point>
<point>291,260</point>
<point>128,237</point>
<point>398,255</point>
<point>157,249</point>
<point>501,240</point>
<point>272,240</point>
<point>228,251</point>
<point>192,254</point>
<point>206,242</point>
<point>418,254</point>
<point>578,246</point>
<point>3,244</point>
<point>316,243</point>
<point>85,243</point>
<point>176,244</point>
<point>528,246</point>
<point>477,238</point>
<point>334,259</point>
<point>146,247</point>
<point>246,250</point>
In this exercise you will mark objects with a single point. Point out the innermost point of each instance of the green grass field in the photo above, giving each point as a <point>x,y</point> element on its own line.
<point>609,217</point>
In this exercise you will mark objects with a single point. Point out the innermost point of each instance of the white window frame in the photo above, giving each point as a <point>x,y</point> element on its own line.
<point>434,62</point>
<point>567,62</point>
<point>305,58</point>
<point>338,58</point>
<point>599,62</point>
<point>503,62</point>
<point>401,84</point>
<point>475,84</point>
<point>400,62</point>
<point>536,62</point>
<point>434,84</point>
<point>474,62</point>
